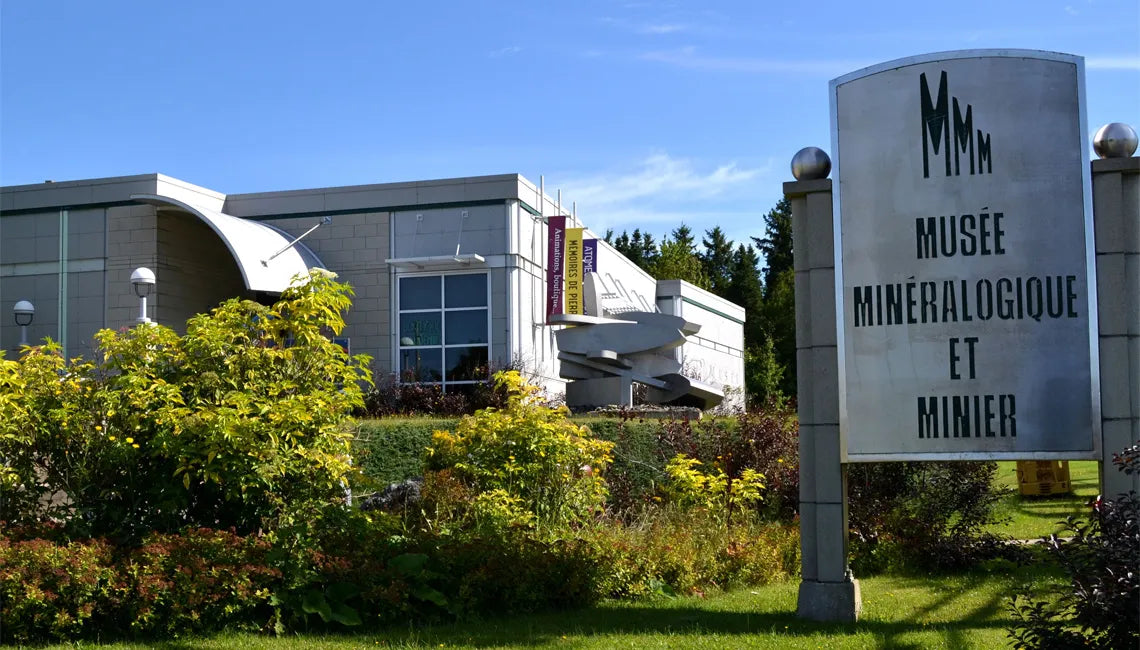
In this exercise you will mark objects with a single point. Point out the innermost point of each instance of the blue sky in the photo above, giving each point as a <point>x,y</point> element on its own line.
<point>646,114</point>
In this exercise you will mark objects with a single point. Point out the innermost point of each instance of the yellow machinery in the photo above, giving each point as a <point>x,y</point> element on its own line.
<point>1043,477</point>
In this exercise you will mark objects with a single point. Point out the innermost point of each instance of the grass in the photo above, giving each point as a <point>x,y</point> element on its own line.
<point>1034,517</point>
<point>960,611</point>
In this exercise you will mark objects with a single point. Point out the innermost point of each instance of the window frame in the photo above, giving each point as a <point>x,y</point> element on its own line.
<point>442,310</point>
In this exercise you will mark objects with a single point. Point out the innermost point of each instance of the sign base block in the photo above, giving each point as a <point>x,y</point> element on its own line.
<point>830,602</point>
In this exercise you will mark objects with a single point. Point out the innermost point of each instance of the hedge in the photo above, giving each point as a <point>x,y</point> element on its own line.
<point>391,450</point>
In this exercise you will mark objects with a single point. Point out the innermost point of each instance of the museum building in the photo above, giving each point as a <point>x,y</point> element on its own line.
<point>451,276</point>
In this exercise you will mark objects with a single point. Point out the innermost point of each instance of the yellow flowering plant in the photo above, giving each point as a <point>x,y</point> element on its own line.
<point>689,486</point>
<point>530,456</point>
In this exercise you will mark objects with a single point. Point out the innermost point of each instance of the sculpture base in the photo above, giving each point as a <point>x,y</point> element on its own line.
<point>831,602</point>
<point>605,391</point>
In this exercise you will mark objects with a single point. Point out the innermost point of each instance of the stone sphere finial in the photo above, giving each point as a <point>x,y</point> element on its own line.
<point>1115,140</point>
<point>810,163</point>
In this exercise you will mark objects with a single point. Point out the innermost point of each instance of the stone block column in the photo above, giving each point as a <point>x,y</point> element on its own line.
<point>828,592</point>
<point>1116,219</point>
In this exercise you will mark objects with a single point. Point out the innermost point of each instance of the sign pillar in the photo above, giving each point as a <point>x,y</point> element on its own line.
<point>828,592</point>
<point>1116,219</point>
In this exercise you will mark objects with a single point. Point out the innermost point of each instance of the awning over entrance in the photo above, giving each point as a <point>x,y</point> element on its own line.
<point>252,244</point>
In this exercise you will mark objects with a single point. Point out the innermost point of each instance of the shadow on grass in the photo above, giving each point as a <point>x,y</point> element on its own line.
<point>544,629</point>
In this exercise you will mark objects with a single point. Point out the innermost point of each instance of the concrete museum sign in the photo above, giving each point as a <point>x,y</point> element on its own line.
<point>967,329</point>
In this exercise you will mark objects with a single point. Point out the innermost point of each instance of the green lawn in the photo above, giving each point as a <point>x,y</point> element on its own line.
<point>965,611</point>
<point>1036,517</point>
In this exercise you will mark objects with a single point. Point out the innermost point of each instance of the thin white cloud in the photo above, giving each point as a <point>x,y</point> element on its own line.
<point>1112,62</point>
<point>663,190</point>
<point>688,57</point>
<point>506,51</point>
<point>660,175</point>
<point>1071,11</point>
<point>662,29</point>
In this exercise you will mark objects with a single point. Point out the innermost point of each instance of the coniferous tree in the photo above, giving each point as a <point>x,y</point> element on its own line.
<point>717,260</point>
<point>778,316</point>
<point>683,236</point>
<point>638,248</point>
<point>745,290</point>
<point>764,371</point>
<point>779,323</point>
<point>776,244</point>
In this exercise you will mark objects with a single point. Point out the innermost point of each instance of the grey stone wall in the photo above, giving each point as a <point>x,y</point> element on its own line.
<point>195,271</point>
<point>29,270</point>
<point>355,247</point>
<point>132,241</point>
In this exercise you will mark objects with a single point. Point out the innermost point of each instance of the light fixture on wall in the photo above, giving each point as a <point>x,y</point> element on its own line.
<point>24,312</point>
<point>143,281</point>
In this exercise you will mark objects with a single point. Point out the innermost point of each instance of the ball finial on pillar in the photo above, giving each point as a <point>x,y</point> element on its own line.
<point>810,163</point>
<point>1115,140</point>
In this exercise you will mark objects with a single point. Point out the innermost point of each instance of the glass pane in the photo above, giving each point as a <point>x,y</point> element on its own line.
<point>420,329</point>
<point>420,365</point>
<point>419,293</point>
<point>466,363</point>
<point>466,326</point>
<point>466,290</point>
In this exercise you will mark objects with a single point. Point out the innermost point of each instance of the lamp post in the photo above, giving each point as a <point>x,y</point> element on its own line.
<point>143,281</point>
<point>405,341</point>
<point>24,312</point>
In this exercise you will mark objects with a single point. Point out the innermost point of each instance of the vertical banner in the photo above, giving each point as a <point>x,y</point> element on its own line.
<point>555,249</point>
<point>589,256</point>
<point>589,265</point>
<point>574,270</point>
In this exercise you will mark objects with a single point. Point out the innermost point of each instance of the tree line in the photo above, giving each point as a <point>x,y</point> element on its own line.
<point>756,275</point>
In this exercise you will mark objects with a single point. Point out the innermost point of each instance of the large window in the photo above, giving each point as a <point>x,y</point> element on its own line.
<point>444,329</point>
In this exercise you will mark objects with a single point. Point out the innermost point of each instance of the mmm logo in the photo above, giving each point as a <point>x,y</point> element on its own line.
<point>936,132</point>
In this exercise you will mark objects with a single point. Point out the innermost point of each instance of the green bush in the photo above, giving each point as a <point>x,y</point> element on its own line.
<point>231,425</point>
<point>923,516</point>
<point>516,574</point>
<point>1101,606</point>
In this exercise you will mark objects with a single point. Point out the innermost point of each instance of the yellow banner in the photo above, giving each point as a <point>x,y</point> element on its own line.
<point>573,271</point>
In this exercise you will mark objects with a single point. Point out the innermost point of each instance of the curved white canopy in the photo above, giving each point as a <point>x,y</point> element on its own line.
<point>251,244</point>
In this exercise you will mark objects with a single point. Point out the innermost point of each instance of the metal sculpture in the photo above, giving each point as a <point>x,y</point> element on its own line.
<point>603,354</point>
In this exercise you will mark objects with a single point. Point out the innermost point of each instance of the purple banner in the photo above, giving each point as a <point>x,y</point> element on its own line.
<point>589,256</point>
<point>555,252</point>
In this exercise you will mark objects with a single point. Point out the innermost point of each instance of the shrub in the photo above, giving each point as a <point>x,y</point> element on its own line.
<point>392,450</point>
<point>713,491</point>
<point>766,442</point>
<point>678,552</point>
<point>528,451</point>
<point>336,565</point>
<point>393,397</point>
<point>52,592</point>
<point>515,574</point>
<point>403,396</point>
<point>230,425</point>
<point>1100,556</point>
<point>197,581</point>
<point>923,515</point>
